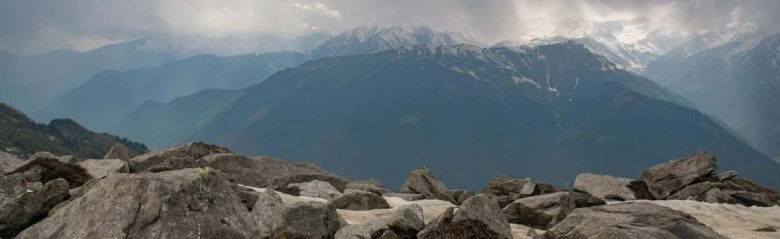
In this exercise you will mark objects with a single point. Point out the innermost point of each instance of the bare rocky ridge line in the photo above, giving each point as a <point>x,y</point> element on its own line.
<point>205,191</point>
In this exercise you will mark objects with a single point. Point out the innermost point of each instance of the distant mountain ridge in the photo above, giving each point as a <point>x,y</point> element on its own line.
<point>488,111</point>
<point>733,75</point>
<point>31,82</point>
<point>104,101</point>
<point>109,96</point>
<point>161,125</point>
<point>21,136</point>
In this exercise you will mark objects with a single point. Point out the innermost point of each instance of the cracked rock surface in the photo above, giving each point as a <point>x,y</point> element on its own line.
<point>189,203</point>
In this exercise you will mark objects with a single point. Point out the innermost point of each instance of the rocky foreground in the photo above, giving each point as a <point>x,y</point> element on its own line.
<point>205,191</point>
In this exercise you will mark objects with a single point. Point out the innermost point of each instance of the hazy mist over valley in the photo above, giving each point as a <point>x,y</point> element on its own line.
<point>337,100</point>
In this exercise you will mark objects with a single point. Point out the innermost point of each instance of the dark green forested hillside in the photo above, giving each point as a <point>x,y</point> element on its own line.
<point>21,136</point>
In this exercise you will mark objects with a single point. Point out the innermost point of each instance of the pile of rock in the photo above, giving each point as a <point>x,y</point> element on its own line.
<point>205,191</point>
<point>688,178</point>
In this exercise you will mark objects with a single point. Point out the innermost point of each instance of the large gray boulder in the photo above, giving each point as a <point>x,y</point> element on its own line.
<point>422,181</point>
<point>667,178</point>
<point>189,203</point>
<point>118,151</point>
<point>18,212</point>
<point>543,211</point>
<point>313,189</point>
<point>297,220</point>
<point>508,189</point>
<point>477,217</point>
<point>359,201</point>
<point>195,150</point>
<point>437,226</point>
<point>306,220</point>
<point>636,220</point>
<point>404,222</point>
<point>268,205</point>
<point>100,168</point>
<point>602,185</point>
<point>407,220</point>
<point>267,172</point>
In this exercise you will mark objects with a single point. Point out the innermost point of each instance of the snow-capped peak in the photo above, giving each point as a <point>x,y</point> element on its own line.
<point>631,43</point>
<point>368,39</point>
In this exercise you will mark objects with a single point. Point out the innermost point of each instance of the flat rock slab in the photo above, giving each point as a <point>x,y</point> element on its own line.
<point>733,221</point>
<point>640,220</point>
<point>602,185</point>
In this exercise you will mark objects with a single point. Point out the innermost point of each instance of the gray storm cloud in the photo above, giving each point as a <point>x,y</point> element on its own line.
<point>40,25</point>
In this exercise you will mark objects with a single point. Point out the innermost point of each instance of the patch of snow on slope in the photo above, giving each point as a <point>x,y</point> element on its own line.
<point>523,79</point>
<point>633,43</point>
<point>549,85</point>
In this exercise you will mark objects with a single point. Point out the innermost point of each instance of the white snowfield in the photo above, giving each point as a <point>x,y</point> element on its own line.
<point>733,221</point>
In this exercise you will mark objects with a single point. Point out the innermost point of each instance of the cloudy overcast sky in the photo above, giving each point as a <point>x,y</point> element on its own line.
<point>31,26</point>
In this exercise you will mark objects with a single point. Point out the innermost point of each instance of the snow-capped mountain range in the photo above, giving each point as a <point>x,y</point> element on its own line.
<point>370,39</point>
<point>632,44</point>
<point>729,43</point>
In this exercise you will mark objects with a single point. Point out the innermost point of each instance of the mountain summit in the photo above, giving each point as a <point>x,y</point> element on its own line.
<point>370,39</point>
<point>631,43</point>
